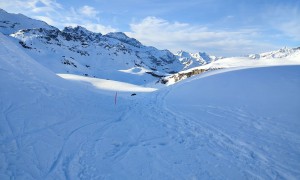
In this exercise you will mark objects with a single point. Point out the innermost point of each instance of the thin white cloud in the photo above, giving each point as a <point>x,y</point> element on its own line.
<point>45,19</point>
<point>164,34</point>
<point>55,14</point>
<point>44,6</point>
<point>291,29</point>
<point>285,19</point>
<point>99,28</point>
<point>31,6</point>
<point>88,11</point>
<point>176,36</point>
<point>94,27</point>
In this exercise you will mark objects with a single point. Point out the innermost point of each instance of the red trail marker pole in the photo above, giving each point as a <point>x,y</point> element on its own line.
<point>116,98</point>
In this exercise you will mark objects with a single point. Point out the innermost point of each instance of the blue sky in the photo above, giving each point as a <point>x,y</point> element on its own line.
<point>219,27</point>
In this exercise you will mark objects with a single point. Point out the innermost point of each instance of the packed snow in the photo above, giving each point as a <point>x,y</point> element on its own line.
<point>233,124</point>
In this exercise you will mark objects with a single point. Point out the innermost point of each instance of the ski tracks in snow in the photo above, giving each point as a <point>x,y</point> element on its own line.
<point>159,142</point>
<point>251,161</point>
<point>147,139</point>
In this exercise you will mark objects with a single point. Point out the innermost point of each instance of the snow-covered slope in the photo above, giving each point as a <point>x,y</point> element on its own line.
<point>242,124</point>
<point>46,122</point>
<point>238,125</point>
<point>35,107</point>
<point>11,23</point>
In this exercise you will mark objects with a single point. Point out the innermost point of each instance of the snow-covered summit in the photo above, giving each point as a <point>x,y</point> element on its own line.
<point>76,50</point>
<point>80,33</point>
<point>124,38</point>
<point>281,53</point>
<point>11,23</point>
<point>78,30</point>
<point>191,60</point>
<point>80,51</point>
<point>86,43</point>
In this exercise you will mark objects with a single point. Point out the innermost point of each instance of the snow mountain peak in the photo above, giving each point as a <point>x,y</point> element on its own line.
<point>191,60</point>
<point>79,30</point>
<point>124,38</point>
<point>280,53</point>
<point>79,51</point>
<point>11,23</point>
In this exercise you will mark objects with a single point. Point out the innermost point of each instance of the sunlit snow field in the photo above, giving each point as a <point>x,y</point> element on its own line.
<point>233,124</point>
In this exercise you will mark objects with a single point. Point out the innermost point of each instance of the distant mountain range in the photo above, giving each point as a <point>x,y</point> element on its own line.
<point>281,53</point>
<point>116,56</point>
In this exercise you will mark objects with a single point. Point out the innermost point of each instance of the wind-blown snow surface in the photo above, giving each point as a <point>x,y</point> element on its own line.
<point>232,125</point>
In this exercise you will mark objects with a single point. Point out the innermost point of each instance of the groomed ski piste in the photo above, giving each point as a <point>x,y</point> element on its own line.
<point>224,124</point>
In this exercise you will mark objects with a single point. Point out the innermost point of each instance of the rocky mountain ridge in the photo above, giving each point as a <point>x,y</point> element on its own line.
<point>79,51</point>
<point>76,50</point>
